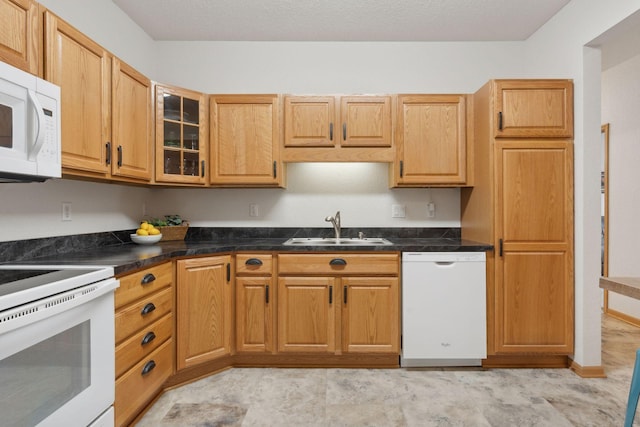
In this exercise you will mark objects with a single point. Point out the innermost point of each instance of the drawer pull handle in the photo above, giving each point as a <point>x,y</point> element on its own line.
<point>148,367</point>
<point>148,278</point>
<point>148,309</point>
<point>253,261</point>
<point>337,261</point>
<point>150,336</point>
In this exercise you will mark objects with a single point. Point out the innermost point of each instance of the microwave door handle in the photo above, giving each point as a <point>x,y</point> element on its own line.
<point>39,139</point>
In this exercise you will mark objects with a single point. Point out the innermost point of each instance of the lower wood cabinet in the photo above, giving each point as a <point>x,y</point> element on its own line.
<point>338,303</point>
<point>306,314</point>
<point>255,299</point>
<point>143,335</point>
<point>370,313</point>
<point>204,309</point>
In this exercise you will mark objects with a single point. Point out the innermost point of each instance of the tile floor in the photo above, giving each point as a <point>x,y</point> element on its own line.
<point>401,397</point>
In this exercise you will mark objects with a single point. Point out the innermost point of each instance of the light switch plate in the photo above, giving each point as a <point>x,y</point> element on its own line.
<point>398,211</point>
<point>254,210</point>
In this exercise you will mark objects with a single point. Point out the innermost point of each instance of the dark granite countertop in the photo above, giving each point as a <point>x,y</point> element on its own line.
<point>125,256</point>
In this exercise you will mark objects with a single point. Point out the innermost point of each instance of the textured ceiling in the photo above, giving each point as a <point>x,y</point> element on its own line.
<point>341,20</point>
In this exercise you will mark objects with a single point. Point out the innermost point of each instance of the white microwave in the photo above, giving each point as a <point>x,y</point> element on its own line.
<point>29,127</point>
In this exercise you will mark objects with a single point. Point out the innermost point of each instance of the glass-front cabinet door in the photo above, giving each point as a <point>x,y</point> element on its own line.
<point>181,136</point>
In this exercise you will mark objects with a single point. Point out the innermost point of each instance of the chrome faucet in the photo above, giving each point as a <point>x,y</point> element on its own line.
<point>335,220</point>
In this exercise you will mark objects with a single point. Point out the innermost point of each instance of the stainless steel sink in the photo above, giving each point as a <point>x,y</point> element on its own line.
<point>332,241</point>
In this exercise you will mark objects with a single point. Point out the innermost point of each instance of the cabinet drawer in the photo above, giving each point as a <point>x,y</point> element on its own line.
<point>132,318</point>
<point>134,389</point>
<point>132,350</point>
<point>144,282</point>
<point>338,263</point>
<point>258,264</point>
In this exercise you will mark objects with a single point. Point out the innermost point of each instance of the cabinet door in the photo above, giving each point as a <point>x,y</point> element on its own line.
<point>309,121</point>
<point>20,34</point>
<point>365,121</point>
<point>370,315</point>
<point>431,140</point>
<point>82,69</point>
<point>534,241</point>
<point>204,300</point>
<point>131,122</point>
<point>254,314</point>
<point>306,314</point>
<point>533,108</point>
<point>181,136</point>
<point>245,140</point>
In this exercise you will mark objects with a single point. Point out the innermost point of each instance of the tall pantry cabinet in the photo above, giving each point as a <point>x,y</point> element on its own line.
<point>522,202</point>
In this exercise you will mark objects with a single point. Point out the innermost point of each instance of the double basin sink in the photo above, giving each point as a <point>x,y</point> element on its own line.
<point>332,241</point>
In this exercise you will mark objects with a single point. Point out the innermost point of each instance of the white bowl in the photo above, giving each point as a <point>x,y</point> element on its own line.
<point>146,240</point>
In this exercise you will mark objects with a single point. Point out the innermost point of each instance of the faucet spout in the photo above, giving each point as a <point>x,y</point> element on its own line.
<point>335,221</point>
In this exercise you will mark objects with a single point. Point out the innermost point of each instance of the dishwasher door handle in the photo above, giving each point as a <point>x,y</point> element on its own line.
<point>445,263</point>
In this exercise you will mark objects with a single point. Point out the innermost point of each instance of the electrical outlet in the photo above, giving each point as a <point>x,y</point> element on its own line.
<point>398,211</point>
<point>254,210</point>
<point>431,210</point>
<point>66,211</point>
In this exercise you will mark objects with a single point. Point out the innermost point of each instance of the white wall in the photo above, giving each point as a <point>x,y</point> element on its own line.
<point>621,109</point>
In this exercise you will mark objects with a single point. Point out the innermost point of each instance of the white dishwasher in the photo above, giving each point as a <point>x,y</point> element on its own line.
<point>444,321</point>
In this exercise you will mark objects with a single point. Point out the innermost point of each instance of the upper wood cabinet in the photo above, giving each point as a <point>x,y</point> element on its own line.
<point>431,141</point>
<point>181,136</point>
<point>131,122</point>
<point>82,69</point>
<point>21,35</point>
<point>106,107</point>
<point>533,108</point>
<point>204,309</point>
<point>245,140</point>
<point>338,128</point>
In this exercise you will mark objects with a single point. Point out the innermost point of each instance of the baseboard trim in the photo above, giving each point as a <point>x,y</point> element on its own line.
<point>587,371</point>
<point>623,316</point>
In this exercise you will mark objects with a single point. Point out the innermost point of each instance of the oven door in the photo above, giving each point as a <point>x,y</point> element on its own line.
<point>58,368</point>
